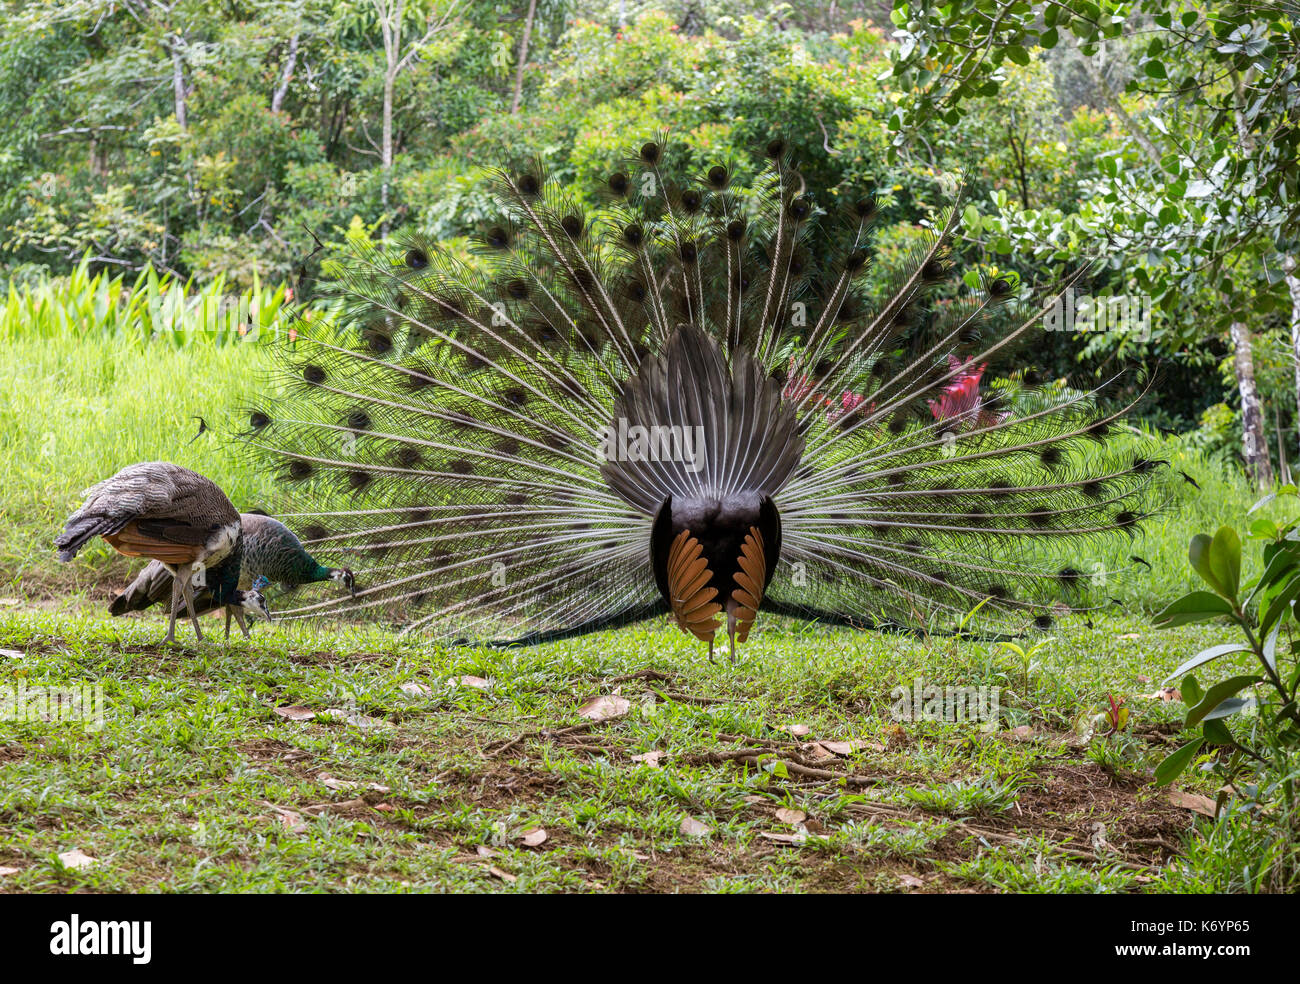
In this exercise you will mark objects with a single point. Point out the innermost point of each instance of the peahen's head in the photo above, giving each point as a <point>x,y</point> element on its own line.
<point>253,601</point>
<point>344,576</point>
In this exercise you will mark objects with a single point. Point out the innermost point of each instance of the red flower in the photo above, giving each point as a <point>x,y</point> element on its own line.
<point>960,401</point>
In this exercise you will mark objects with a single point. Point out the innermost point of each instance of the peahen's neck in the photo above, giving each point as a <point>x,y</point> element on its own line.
<point>223,579</point>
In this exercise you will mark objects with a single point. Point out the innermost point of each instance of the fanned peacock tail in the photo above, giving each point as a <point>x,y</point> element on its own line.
<point>534,440</point>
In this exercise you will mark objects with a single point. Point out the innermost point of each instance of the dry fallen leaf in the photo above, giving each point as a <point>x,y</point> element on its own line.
<point>840,748</point>
<point>1192,801</point>
<point>1022,733</point>
<point>533,838</point>
<point>910,881</point>
<point>416,689</point>
<point>8,871</point>
<point>11,602</point>
<point>363,721</point>
<point>505,876</point>
<point>649,758</point>
<point>77,858</point>
<point>816,751</point>
<point>294,712</point>
<point>485,852</point>
<point>1167,694</point>
<point>798,838</point>
<point>1132,635</point>
<point>477,682</point>
<point>343,806</point>
<point>787,815</point>
<point>693,828</point>
<point>604,708</point>
<point>12,653</point>
<point>325,779</point>
<point>798,730</point>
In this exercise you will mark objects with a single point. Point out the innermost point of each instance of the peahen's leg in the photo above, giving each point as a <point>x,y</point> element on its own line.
<point>228,611</point>
<point>243,622</point>
<point>188,590</point>
<point>175,606</point>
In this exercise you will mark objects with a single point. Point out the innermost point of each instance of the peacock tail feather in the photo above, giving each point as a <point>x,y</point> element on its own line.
<point>510,444</point>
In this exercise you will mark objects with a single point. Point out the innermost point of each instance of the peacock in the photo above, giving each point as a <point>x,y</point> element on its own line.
<point>271,553</point>
<point>689,394</point>
<point>178,518</point>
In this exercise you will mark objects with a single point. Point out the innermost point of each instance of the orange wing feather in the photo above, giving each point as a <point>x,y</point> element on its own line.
<point>751,581</point>
<point>688,588</point>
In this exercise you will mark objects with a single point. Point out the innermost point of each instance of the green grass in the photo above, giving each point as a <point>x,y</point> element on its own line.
<point>195,783</point>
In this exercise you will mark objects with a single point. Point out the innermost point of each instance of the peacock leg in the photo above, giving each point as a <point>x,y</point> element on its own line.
<point>175,606</point>
<point>228,611</point>
<point>188,591</point>
<point>243,624</point>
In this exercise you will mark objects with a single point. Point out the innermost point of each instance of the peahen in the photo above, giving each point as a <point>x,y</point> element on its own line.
<point>688,399</point>
<point>271,552</point>
<point>176,517</point>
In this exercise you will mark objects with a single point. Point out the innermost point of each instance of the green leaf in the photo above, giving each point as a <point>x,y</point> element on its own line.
<point>1205,656</point>
<point>1270,647</point>
<point>970,218</point>
<point>1017,54</point>
<point>1156,70</point>
<point>1216,732</point>
<point>1049,38</point>
<point>1172,767</point>
<point>1198,552</point>
<point>1217,694</point>
<point>1195,607</point>
<point>1191,691</point>
<point>1278,606</point>
<point>1225,560</point>
<point>1229,707</point>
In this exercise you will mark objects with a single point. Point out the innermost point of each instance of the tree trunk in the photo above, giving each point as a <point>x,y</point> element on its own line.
<point>386,149</point>
<point>178,82</point>
<point>1254,443</point>
<point>1293,284</point>
<point>523,56</point>
<point>277,100</point>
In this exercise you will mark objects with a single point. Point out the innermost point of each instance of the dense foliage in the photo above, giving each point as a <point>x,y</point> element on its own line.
<point>215,141</point>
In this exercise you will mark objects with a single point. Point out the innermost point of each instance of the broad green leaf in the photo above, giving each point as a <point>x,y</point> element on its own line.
<point>1217,694</point>
<point>1225,560</point>
<point>1278,606</point>
<point>1198,552</point>
<point>1216,732</point>
<point>1205,656</point>
<point>1195,607</point>
<point>1229,707</point>
<point>1172,767</point>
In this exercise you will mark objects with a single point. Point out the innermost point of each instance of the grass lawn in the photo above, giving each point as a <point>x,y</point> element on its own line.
<point>433,765</point>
